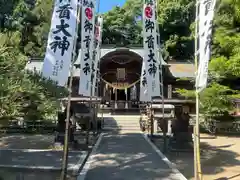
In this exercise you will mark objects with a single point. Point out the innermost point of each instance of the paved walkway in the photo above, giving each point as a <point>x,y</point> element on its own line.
<point>127,156</point>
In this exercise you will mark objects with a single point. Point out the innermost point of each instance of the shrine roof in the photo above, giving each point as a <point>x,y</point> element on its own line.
<point>182,70</point>
<point>177,69</point>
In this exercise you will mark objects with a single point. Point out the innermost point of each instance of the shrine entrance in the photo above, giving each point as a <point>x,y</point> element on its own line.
<point>120,77</point>
<point>121,95</point>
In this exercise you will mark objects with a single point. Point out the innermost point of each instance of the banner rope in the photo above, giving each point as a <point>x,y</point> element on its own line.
<point>121,88</point>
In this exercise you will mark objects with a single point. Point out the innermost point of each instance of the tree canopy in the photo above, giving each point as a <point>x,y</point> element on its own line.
<point>224,66</point>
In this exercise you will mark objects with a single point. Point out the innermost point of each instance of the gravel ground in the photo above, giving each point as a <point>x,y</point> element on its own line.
<point>26,141</point>
<point>29,157</point>
<point>19,141</point>
<point>23,174</point>
<point>220,158</point>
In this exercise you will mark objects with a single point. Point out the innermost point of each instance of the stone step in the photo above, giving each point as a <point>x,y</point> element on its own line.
<point>135,126</point>
<point>122,121</point>
<point>124,124</point>
<point>112,123</point>
<point>127,123</point>
<point>122,117</point>
<point>125,120</point>
<point>119,128</point>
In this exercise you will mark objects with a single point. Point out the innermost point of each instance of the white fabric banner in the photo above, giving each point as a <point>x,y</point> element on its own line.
<point>60,44</point>
<point>156,91</point>
<point>87,46</point>
<point>144,87</point>
<point>206,14</point>
<point>98,42</point>
<point>158,82</point>
<point>151,57</point>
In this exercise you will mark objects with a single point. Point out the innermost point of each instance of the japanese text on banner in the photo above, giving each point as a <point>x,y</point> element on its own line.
<point>60,41</point>
<point>206,15</point>
<point>97,51</point>
<point>87,46</point>
<point>150,47</point>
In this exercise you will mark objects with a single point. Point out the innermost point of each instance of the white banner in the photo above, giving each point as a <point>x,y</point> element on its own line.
<point>150,59</point>
<point>98,42</point>
<point>206,14</point>
<point>144,87</point>
<point>156,83</point>
<point>60,44</point>
<point>87,46</point>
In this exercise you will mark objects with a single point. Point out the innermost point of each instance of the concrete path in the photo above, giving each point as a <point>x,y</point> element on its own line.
<point>127,156</point>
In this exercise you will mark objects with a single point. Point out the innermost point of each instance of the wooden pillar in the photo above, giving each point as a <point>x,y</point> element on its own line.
<point>115,104</point>
<point>126,103</point>
<point>104,91</point>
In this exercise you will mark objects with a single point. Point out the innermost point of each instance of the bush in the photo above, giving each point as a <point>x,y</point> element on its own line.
<point>25,94</point>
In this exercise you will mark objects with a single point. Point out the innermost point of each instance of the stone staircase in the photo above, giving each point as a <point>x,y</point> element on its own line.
<point>122,123</point>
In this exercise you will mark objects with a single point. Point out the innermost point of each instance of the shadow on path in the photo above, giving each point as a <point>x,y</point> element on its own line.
<point>219,159</point>
<point>128,156</point>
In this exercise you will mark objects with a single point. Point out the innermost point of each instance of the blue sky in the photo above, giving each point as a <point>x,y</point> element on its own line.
<point>106,5</point>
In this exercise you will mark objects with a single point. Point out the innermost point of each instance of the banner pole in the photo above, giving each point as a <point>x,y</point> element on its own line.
<point>91,104</point>
<point>197,163</point>
<point>66,136</point>
<point>98,72</point>
<point>161,81</point>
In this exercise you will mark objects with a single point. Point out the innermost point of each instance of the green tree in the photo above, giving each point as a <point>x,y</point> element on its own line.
<point>122,25</point>
<point>40,25</point>
<point>175,19</point>
<point>24,94</point>
<point>224,68</point>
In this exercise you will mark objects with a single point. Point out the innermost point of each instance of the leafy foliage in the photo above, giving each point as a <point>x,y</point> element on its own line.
<point>25,94</point>
<point>175,19</point>
<point>122,25</point>
<point>216,100</point>
<point>188,94</point>
<point>224,67</point>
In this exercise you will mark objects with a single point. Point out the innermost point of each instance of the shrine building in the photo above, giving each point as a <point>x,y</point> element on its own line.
<point>120,72</point>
